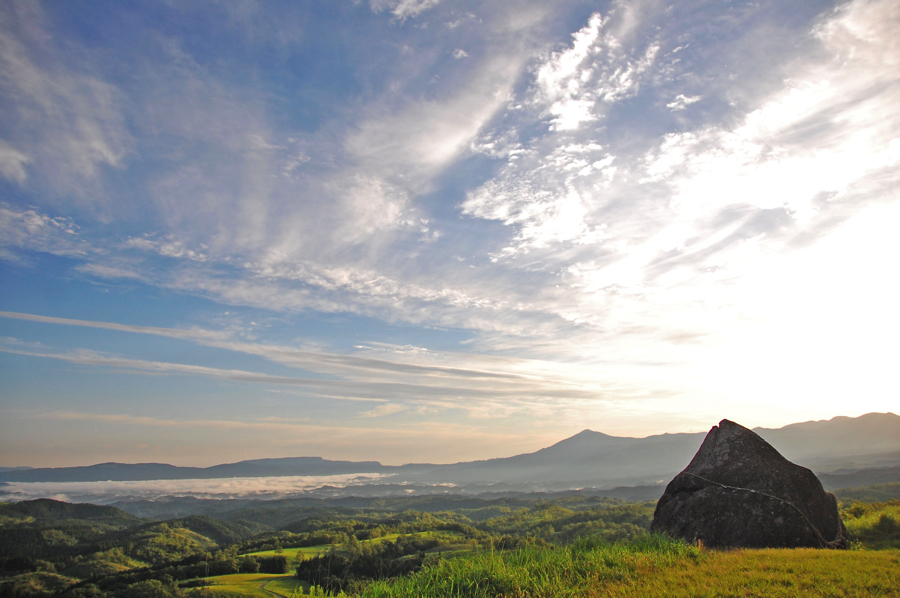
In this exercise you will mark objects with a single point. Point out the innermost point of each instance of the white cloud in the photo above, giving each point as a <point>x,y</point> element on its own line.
<point>306,359</point>
<point>169,332</point>
<point>552,189</point>
<point>169,248</point>
<point>682,101</point>
<point>116,270</point>
<point>560,79</point>
<point>409,383</point>
<point>650,262</point>
<point>834,126</point>
<point>32,230</point>
<point>12,163</point>
<point>414,381</point>
<point>370,205</point>
<point>596,70</point>
<point>403,9</point>
<point>383,410</point>
<point>544,197</point>
<point>67,122</point>
<point>417,142</point>
<point>295,162</point>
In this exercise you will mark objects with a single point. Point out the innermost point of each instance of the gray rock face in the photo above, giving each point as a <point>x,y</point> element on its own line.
<point>738,491</point>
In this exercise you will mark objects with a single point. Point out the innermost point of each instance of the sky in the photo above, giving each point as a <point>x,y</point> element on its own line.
<point>437,231</point>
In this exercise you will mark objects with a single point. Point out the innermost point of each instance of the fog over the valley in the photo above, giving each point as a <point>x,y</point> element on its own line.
<point>220,488</point>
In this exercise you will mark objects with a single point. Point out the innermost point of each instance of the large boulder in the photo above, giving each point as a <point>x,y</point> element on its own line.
<point>738,491</point>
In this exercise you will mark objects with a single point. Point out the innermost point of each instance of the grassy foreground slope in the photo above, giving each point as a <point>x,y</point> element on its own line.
<point>772,573</point>
<point>653,566</point>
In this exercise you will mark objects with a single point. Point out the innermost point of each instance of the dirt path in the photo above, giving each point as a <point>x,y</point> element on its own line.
<point>268,591</point>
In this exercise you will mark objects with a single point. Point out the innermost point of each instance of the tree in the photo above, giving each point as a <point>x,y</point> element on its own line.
<point>150,588</point>
<point>249,565</point>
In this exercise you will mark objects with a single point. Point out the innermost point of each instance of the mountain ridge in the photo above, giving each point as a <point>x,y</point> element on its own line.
<point>586,458</point>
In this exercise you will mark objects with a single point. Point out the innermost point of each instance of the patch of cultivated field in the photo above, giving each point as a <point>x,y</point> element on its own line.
<point>293,554</point>
<point>256,584</point>
<point>771,573</point>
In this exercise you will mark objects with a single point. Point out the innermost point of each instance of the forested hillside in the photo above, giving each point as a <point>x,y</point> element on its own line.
<point>362,546</point>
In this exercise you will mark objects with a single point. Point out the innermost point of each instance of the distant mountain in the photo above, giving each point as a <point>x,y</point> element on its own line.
<point>593,459</point>
<point>123,472</point>
<point>587,460</point>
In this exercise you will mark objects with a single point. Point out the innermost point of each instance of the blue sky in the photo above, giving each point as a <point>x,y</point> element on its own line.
<point>422,230</point>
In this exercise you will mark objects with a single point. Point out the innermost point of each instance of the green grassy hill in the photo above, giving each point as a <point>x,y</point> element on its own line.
<point>653,567</point>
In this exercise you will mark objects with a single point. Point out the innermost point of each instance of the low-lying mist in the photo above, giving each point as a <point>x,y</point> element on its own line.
<point>219,488</point>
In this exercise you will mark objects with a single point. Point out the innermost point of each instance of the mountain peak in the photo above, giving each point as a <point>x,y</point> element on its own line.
<point>584,438</point>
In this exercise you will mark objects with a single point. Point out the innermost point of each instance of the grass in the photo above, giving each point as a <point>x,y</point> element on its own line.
<point>772,573</point>
<point>873,525</point>
<point>250,584</point>
<point>308,552</point>
<point>293,554</point>
<point>650,567</point>
<point>538,571</point>
<point>285,586</point>
<point>653,567</point>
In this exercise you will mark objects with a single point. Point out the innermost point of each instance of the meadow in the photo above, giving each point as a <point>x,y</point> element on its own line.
<point>256,584</point>
<point>653,567</point>
<point>293,555</point>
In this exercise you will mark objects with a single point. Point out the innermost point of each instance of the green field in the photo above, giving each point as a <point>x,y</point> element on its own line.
<point>256,584</point>
<point>293,554</point>
<point>775,573</point>
<point>874,525</point>
<point>451,542</point>
<point>654,568</point>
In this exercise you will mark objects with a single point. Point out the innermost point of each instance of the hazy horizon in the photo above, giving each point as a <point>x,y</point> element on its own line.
<point>433,231</point>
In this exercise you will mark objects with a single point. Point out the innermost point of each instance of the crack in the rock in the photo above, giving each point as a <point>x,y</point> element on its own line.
<point>825,543</point>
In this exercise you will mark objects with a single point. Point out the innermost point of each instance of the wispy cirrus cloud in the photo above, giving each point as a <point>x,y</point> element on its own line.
<point>360,377</point>
<point>13,162</point>
<point>403,9</point>
<point>155,330</point>
<point>592,213</point>
<point>696,196</point>
<point>291,356</point>
<point>68,124</point>
<point>584,216</point>
<point>33,230</point>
